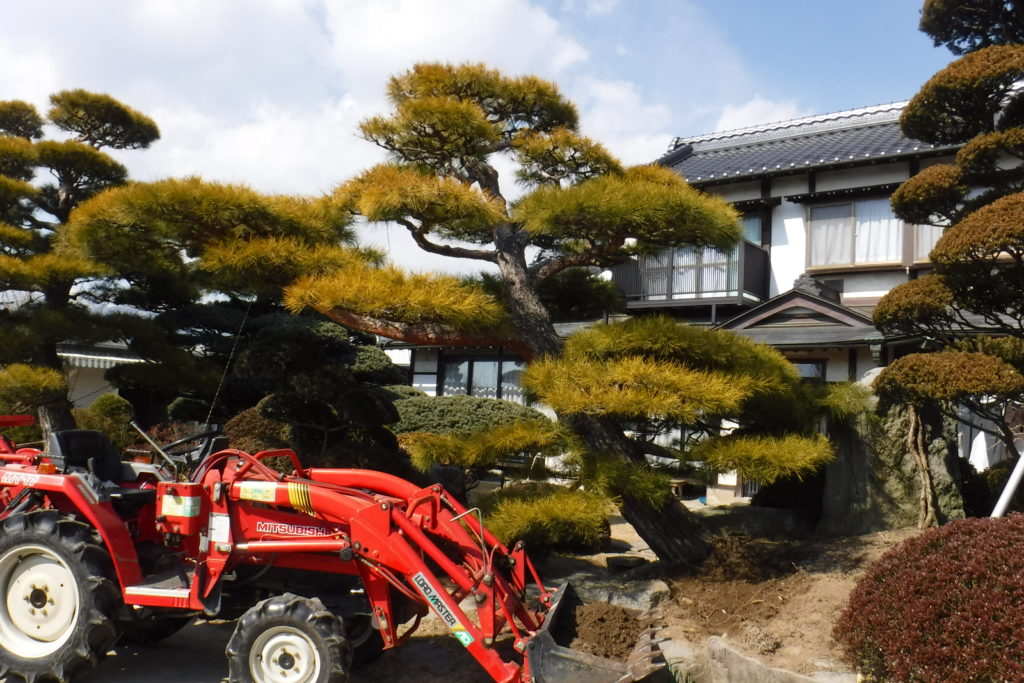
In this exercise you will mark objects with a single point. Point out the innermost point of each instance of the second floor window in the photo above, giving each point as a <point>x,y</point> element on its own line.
<point>689,272</point>
<point>856,233</point>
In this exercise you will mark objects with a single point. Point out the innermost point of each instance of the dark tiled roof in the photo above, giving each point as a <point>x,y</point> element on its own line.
<point>842,138</point>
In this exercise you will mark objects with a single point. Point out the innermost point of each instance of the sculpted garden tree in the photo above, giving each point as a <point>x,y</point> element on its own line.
<point>968,26</point>
<point>450,128</point>
<point>238,248</point>
<point>41,183</point>
<point>977,287</point>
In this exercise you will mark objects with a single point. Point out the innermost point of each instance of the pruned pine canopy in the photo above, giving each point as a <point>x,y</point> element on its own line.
<point>925,302</point>
<point>201,235</point>
<point>977,285</point>
<point>952,377</point>
<point>447,130</point>
<point>967,26</point>
<point>653,368</point>
<point>41,183</point>
<point>101,121</point>
<point>389,294</point>
<point>968,97</point>
<point>766,459</point>
<point>25,387</point>
<point>483,447</point>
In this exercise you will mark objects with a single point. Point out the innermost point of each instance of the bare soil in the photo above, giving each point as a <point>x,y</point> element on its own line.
<point>777,600</point>
<point>600,629</point>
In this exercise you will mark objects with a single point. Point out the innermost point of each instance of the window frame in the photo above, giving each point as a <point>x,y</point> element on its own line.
<point>444,361</point>
<point>852,238</point>
<point>731,262</point>
<point>818,362</point>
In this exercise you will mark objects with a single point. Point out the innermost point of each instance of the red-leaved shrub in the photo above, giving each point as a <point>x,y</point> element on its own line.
<point>947,605</point>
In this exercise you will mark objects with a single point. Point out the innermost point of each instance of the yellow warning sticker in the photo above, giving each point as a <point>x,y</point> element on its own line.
<point>257,490</point>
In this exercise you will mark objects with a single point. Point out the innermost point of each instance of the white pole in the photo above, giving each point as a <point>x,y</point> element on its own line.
<point>1011,487</point>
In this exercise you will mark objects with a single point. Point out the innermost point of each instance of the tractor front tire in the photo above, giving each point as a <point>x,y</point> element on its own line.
<point>367,643</point>
<point>59,599</point>
<point>289,638</point>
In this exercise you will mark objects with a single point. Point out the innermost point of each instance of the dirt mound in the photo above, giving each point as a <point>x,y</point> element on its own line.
<point>740,558</point>
<point>598,629</point>
<point>776,599</point>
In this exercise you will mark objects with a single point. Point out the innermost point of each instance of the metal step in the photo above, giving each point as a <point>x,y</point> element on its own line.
<point>171,583</point>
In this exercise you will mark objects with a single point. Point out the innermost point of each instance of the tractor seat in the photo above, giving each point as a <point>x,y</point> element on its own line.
<point>92,451</point>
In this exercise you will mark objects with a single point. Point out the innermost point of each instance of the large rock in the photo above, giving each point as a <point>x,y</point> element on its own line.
<point>636,595</point>
<point>754,521</point>
<point>874,484</point>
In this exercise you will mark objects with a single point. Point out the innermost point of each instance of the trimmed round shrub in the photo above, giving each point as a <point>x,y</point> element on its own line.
<point>251,432</point>
<point>943,606</point>
<point>459,414</point>
<point>111,415</point>
<point>549,518</point>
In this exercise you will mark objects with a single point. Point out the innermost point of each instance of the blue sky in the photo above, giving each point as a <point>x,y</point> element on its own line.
<point>269,92</point>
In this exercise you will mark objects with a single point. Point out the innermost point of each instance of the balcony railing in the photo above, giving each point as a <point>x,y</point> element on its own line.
<point>692,275</point>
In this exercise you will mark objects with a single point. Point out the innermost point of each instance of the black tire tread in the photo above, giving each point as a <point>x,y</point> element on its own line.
<point>80,546</point>
<point>300,611</point>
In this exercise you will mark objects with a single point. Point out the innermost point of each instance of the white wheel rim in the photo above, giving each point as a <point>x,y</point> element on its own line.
<point>40,604</point>
<point>283,654</point>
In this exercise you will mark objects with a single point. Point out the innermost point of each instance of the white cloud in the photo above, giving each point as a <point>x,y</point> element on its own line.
<point>372,40</point>
<point>757,111</point>
<point>616,114</point>
<point>269,92</point>
<point>274,149</point>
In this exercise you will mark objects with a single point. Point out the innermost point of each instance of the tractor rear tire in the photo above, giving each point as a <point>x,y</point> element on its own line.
<point>289,638</point>
<point>58,597</point>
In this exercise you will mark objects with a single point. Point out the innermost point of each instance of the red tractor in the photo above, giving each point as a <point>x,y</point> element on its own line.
<point>322,567</point>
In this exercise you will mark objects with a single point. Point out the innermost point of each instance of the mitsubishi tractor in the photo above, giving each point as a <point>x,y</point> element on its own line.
<point>322,568</point>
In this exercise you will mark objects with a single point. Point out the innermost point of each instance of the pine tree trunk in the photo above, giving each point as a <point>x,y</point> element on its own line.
<point>672,532</point>
<point>54,417</point>
<point>927,510</point>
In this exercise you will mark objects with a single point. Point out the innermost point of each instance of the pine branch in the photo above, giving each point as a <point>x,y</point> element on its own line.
<point>596,256</point>
<point>433,334</point>
<point>419,234</point>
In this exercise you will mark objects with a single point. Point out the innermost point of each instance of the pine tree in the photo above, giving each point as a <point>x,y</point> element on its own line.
<point>976,291</point>
<point>47,296</point>
<point>581,208</point>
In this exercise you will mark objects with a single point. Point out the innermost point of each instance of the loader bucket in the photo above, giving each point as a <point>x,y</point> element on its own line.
<point>553,662</point>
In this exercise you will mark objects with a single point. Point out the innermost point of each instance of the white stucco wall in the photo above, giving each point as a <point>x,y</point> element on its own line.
<point>739,192</point>
<point>867,285</point>
<point>399,356</point>
<point>790,184</point>
<point>866,176</point>
<point>789,246</point>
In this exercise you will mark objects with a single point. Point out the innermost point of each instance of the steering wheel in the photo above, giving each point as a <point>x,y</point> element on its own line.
<point>191,449</point>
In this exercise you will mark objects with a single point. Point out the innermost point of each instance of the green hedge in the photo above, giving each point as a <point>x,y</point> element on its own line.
<point>458,414</point>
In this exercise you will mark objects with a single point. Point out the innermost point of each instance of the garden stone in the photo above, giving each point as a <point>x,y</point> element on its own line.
<point>634,595</point>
